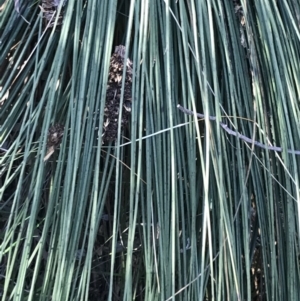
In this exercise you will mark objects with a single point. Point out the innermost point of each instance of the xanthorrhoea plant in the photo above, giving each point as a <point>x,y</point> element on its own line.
<point>174,207</point>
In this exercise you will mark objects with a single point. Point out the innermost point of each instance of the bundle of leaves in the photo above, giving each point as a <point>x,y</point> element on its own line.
<point>184,210</point>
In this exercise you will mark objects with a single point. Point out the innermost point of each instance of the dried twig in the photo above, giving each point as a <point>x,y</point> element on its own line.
<point>240,136</point>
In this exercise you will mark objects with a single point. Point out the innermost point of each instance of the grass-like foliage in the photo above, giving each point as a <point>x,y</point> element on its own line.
<point>173,208</point>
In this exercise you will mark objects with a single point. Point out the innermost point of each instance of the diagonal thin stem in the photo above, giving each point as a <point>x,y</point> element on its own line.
<point>240,136</point>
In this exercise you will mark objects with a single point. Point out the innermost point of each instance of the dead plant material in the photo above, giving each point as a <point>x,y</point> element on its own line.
<point>113,95</point>
<point>55,135</point>
<point>50,10</point>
